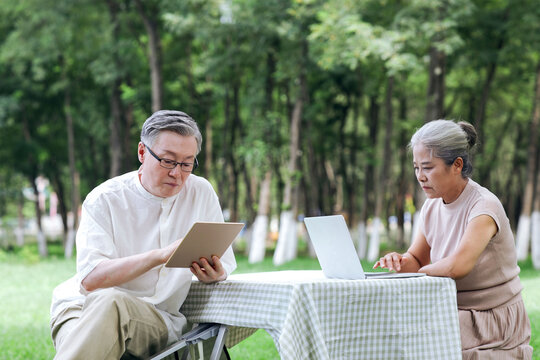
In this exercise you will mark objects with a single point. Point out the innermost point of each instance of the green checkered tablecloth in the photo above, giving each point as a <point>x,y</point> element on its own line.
<point>311,317</point>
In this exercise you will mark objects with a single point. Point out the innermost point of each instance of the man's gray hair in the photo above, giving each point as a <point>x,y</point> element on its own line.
<point>448,140</point>
<point>170,120</point>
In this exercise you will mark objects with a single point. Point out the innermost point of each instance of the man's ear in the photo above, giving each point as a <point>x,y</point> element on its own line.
<point>141,151</point>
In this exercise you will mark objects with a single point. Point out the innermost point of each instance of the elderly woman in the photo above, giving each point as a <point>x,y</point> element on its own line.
<point>465,234</point>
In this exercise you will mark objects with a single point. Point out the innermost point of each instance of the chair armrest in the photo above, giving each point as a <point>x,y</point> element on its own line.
<point>202,332</point>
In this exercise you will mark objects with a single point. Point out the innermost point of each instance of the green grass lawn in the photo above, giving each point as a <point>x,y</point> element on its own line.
<point>26,284</point>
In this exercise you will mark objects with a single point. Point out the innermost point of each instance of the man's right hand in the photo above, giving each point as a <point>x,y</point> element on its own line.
<point>166,252</point>
<point>115,272</point>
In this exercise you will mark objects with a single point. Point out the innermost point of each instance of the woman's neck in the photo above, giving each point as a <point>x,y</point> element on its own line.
<point>454,194</point>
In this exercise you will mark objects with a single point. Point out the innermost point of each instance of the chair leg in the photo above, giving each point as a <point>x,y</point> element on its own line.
<point>220,341</point>
<point>172,349</point>
<point>195,337</point>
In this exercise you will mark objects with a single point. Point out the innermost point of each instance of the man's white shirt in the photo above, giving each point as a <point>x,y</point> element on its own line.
<point>120,218</point>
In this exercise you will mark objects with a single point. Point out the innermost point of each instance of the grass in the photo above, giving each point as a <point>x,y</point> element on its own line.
<point>530,279</point>
<point>27,282</point>
<point>26,286</point>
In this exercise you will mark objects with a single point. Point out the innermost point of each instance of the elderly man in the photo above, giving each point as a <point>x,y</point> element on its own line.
<point>123,302</point>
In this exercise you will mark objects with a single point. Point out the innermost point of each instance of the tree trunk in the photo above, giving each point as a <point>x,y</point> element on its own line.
<point>510,201</point>
<point>129,157</point>
<point>116,128</point>
<point>436,86</point>
<point>74,174</point>
<point>249,200</point>
<point>480,116</point>
<point>19,231</point>
<point>58,187</point>
<point>208,143</point>
<point>373,124</point>
<point>370,178</point>
<point>260,226</point>
<point>524,233</point>
<point>223,175</point>
<point>235,168</point>
<point>154,53</point>
<point>358,224</point>
<point>287,241</point>
<point>313,180</point>
<point>41,240</point>
<point>346,169</point>
<point>287,229</point>
<point>491,159</point>
<point>115,144</point>
<point>352,179</point>
<point>380,186</point>
<point>402,178</point>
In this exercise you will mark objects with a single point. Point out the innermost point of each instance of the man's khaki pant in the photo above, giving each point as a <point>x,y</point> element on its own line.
<point>110,325</point>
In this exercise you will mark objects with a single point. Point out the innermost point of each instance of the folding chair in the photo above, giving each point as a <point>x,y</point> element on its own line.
<point>192,344</point>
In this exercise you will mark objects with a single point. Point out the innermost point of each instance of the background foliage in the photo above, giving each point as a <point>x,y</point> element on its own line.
<point>79,78</point>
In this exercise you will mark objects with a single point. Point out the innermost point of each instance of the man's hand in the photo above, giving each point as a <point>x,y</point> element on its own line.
<point>167,251</point>
<point>208,273</point>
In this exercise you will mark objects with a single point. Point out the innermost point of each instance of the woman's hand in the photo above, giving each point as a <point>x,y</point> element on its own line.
<point>392,261</point>
<point>208,273</point>
<point>417,256</point>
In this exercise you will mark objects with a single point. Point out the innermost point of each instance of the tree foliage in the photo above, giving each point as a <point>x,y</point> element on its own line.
<point>239,66</point>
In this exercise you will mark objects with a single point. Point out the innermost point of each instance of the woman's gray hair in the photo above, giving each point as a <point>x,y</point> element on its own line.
<point>170,120</point>
<point>448,140</point>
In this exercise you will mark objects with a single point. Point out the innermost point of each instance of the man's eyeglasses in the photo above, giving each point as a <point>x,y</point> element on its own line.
<point>171,164</point>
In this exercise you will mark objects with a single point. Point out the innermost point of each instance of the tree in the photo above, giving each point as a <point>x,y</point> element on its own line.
<point>371,44</point>
<point>535,231</point>
<point>354,78</point>
<point>46,58</point>
<point>286,248</point>
<point>149,13</point>
<point>287,242</point>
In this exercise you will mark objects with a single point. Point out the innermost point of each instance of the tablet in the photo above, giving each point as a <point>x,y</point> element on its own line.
<point>204,239</point>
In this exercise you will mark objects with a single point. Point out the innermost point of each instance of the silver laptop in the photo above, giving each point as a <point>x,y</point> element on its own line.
<point>336,252</point>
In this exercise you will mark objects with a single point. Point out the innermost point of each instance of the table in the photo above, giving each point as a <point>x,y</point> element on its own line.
<point>312,317</point>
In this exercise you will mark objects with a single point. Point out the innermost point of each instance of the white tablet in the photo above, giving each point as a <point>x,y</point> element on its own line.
<point>204,239</point>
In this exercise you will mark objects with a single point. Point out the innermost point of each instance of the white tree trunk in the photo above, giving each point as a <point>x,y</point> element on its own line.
<point>523,236</point>
<point>42,243</point>
<point>70,242</point>
<point>70,238</point>
<point>287,238</point>
<point>258,240</point>
<point>361,240</point>
<point>535,239</point>
<point>19,230</point>
<point>374,240</point>
<point>19,235</point>
<point>292,242</point>
<point>260,226</point>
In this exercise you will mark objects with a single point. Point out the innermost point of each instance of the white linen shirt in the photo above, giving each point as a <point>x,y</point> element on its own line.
<point>120,218</point>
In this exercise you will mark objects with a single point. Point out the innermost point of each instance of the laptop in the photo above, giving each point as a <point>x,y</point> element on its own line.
<point>336,253</point>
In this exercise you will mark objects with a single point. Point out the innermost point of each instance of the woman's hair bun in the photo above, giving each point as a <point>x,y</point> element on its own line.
<point>470,131</point>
